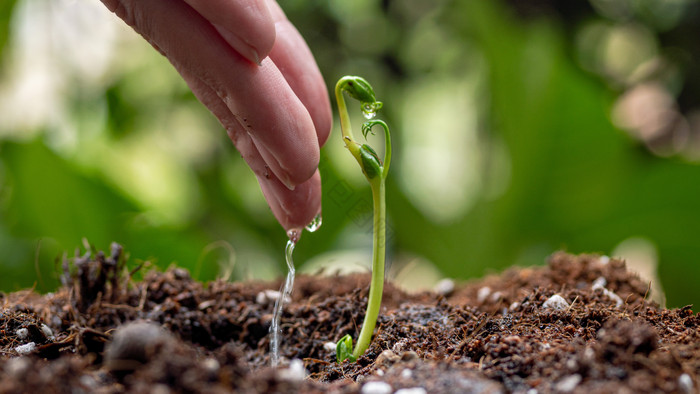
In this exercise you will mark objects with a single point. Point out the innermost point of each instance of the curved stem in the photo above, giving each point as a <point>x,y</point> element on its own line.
<point>376,287</point>
<point>387,153</point>
<point>367,128</point>
<point>376,174</point>
<point>345,126</point>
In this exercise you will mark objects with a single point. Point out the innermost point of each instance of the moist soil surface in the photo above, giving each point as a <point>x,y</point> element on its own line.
<point>580,324</point>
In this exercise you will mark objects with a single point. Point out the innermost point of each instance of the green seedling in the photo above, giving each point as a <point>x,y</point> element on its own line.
<point>375,171</point>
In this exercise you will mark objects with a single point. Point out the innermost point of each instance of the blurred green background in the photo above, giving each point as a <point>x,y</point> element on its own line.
<point>520,128</point>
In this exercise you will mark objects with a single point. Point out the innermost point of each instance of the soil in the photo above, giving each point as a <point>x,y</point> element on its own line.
<point>580,324</point>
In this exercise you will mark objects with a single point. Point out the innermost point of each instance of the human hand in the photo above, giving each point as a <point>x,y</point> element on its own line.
<point>248,64</point>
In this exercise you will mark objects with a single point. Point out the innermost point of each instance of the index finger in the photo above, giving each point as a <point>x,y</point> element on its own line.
<point>296,62</point>
<point>245,24</point>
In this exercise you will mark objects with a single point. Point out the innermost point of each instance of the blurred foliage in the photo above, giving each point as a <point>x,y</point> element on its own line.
<point>517,126</point>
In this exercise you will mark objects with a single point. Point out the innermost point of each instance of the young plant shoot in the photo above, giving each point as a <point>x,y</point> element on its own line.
<point>375,171</point>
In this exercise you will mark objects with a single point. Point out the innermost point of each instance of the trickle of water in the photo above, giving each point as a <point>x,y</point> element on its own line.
<point>285,295</point>
<point>315,224</point>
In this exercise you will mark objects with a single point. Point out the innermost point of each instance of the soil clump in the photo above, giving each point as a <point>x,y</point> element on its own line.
<point>580,324</point>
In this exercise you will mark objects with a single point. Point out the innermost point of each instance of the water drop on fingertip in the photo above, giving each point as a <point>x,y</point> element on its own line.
<point>315,224</point>
<point>294,235</point>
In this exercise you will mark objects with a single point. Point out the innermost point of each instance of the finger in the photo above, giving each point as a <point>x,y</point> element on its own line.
<point>258,97</point>
<point>296,62</point>
<point>292,209</point>
<point>245,24</point>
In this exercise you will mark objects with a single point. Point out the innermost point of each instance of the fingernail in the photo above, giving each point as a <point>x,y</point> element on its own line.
<point>287,182</point>
<point>240,45</point>
<point>274,165</point>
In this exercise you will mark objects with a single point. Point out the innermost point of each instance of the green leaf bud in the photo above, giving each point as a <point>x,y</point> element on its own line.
<point>371,165</point>
<point>343,349</point>
<point>359,89</point>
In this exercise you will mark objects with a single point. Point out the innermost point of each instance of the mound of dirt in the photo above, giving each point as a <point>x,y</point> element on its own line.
<point>578,324</point>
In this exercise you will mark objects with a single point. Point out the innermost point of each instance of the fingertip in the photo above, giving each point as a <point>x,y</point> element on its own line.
<point>265,32</point>
<point>293,209</point>
<point>294,59</point>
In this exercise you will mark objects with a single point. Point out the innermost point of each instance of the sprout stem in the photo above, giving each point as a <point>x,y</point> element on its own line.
<point>376,287</point>
<point>376,173</point>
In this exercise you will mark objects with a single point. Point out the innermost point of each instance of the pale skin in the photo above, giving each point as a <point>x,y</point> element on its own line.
<point>252,69</point>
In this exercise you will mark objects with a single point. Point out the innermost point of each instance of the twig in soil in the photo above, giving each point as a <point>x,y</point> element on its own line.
<point>315,360</point>
<point>142,299</point>
<point>646,293</point>
<point>568,310</point>
<point>137,269</point>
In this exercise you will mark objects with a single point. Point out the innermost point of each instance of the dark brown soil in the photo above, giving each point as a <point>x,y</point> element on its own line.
<point>505,333</point>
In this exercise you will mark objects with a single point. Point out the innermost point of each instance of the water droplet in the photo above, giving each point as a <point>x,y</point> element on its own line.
<point>294,234</point>
<point>285,295</point>
<point>369,110</point>
<point>315,224</point>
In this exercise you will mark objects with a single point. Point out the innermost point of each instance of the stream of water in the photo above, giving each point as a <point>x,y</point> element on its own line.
<point>285,294</point>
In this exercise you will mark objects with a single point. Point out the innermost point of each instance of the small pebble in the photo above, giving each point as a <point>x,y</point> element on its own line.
<point>406,374</point>
<point>400,346</point>
<point>685,383</point>
<point>412,390</point>
<point>269,296</point>
<point>26,348</point>
<point>604,260</point>
<point>556,302</point>
<point>329,346</point>
<point>599,284</point>
<point>514,306</point>
<point>376,388</point>
<point>495,297</point>
<point>22,333</point>
<point>47,332</point>
<point>211,365</point>
<point>387,357</point>
<point>295,372</point>
<point>568,383</point>
<point>482,294</point>
<point>207,304</point>
<point>444,287</point>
